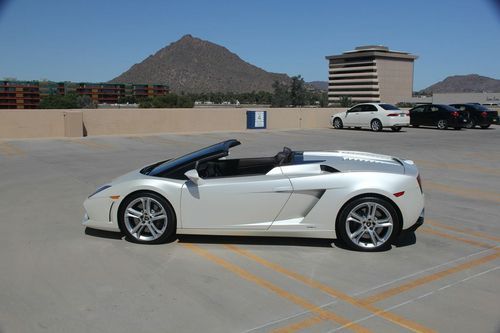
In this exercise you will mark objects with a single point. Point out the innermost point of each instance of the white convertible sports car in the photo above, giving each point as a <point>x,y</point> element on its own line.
<point>364,199</point>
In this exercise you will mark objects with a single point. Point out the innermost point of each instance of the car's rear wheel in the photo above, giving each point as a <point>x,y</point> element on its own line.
<point>442,124</point>
<point>337,123</point>
<point>485,126</point>
<point>146,217</point>
<point>368,224</point>
<point>376,125</point>
<point>396,128</point>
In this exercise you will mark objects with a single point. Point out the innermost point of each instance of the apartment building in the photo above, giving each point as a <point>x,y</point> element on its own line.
<point>28,94</point>
<point>370,73</point>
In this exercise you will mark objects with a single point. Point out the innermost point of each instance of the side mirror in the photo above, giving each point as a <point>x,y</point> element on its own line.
<point>193,176</point>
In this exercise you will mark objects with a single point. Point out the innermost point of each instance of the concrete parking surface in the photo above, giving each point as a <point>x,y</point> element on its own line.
<point>55,276</point>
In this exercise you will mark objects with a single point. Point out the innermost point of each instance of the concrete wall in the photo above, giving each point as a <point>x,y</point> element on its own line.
<point>77,123</point>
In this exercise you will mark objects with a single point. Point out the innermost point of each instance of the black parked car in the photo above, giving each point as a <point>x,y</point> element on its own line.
<point>478,115</point>
<point>440,115</point>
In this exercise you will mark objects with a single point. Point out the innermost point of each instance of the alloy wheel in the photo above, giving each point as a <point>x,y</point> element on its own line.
<point>145,219</point>
<point>369,225</point>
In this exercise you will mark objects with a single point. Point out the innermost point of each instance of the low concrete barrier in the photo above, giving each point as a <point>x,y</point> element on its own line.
<point>77,123</point>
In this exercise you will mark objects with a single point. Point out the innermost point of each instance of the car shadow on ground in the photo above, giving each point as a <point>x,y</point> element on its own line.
<point>406,238</point>
<point>385,130</point>
<point>103,233</point>
<point>254,240</point>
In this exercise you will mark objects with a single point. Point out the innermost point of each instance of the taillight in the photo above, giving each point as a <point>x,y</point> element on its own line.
<point>484,114</point>
<point>454,114</point>
<point>419,181</point>
<point>393,115</point>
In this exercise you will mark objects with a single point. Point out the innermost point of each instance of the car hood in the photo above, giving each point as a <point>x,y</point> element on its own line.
<point>345,161</point>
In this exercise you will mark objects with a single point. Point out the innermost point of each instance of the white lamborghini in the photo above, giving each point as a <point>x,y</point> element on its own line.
<point>362,198</point>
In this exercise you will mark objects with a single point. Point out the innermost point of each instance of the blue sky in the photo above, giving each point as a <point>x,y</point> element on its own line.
<point>90,40</point>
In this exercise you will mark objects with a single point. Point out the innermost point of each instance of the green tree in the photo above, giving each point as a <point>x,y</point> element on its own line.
<point>281,96</point>
<point>85,102</point>
<point>298,91</point>
<point>345,101</point>
<point>68,101</point>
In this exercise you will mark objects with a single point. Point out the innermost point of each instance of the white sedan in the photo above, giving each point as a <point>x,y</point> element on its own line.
<point>364,199</point>
<point>372,115</point>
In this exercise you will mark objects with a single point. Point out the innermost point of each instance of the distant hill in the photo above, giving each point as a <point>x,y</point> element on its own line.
<point>319,85</point>
<point>464,83</point>
<point>194,65</point>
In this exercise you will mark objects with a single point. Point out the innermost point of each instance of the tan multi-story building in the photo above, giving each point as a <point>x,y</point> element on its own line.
<point>371,74</point>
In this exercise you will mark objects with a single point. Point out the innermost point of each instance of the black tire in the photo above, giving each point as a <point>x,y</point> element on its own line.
<point>171,221</point>
<point>341,224</point>
<point>470,124</point>
<point>485,126</point>
<point>396,128</point>
<point>337,123</point>
<point>442,124</point>
<point>376,125</point>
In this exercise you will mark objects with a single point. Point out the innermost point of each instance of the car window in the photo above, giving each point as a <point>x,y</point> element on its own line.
<point>389,107</point>
<point>418,109</point>
<point>369,108</point>
<point>355,109</point>
<point>434,108</point>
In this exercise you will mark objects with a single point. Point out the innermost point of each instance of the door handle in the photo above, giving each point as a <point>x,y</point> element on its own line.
<point>283,189</point>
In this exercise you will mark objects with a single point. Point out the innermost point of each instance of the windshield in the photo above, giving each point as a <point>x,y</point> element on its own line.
<point>173,164</point>
<point>479,107</point>
<point>389,107</point>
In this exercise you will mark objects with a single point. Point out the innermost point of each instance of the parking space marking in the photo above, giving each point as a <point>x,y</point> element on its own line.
<point>456,238</point>
<point>395,319</point>
<point>464,192</point>
<point>466,231</point>
<point>9,149</point>
<point>323,314</point>
<point>429,278</point>
<point>299,325</point>
<point>459,167</point>
<point>424,295</point>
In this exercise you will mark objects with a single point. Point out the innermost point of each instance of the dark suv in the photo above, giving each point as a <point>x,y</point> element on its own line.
<point>440,115</point>
<point>478,115</point>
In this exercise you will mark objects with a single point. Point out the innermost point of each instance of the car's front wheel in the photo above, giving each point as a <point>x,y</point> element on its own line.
<point>337,123</point>
<point>146,217</point>
<point>368,224</point>
<point>470,124</point>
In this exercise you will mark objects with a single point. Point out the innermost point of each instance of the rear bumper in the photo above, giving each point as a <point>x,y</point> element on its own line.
<point>418,223</point>
<point>397,122</point>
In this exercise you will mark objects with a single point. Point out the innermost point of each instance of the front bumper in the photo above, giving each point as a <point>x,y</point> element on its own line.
<point>99,214</point>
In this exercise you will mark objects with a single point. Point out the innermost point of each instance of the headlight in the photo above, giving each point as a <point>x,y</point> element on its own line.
<point>100,189</point>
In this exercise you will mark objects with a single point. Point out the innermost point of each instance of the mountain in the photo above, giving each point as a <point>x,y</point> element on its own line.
<point>319,85</point>
<point>195,65</point>
<point>464,83</point>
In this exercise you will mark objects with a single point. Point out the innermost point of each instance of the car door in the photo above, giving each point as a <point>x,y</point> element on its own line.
<point>352,116</point>
<point>240,202</point>
<point>368,113</point>
<point>435,113</point>
<point>417,115</point>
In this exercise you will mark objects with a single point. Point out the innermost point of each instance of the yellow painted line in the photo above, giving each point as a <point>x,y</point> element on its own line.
<point>457,238</point>
<point>429,278</point>
<point>10,150</point>
<point>398,320</point>
<point>91,144</point>
<point>459,166</point>
<point>323,314</point>
<point>464,192</point>
<point>466,231</point>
